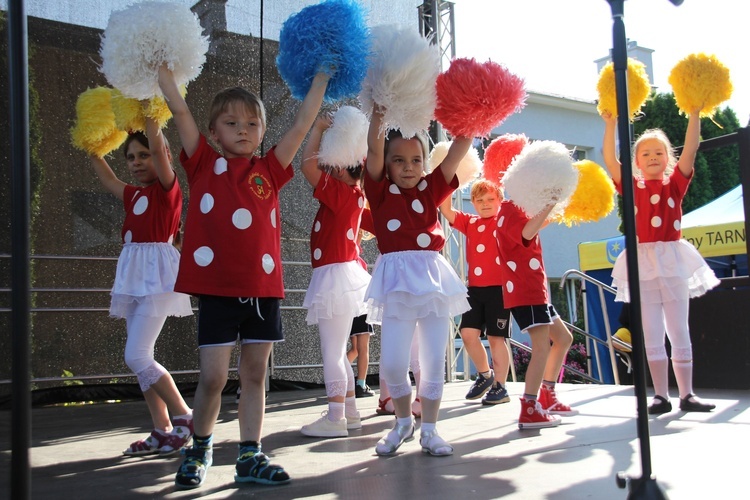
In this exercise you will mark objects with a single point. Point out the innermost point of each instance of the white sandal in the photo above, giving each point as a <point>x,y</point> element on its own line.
<point>392,441</point>
<point>433,444</point>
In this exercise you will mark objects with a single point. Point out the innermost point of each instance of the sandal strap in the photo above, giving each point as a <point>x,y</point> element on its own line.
<point>263,468</point>
<point>142,444</point>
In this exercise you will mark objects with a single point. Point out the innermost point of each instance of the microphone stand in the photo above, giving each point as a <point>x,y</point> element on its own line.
<point>644,486</point>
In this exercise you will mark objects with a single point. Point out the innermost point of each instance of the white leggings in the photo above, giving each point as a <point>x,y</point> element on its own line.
<point>670,317</point>
<point>337,371</point>
<point>139,348</point>
<point>395,348</point>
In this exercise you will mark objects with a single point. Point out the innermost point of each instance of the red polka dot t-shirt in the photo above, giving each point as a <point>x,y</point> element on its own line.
<point>481,248</point>
<point>658,207</point>
<point>333,238</point>
<point>232,244</point>
<point>407,219</point>
<point>152,213</point>
<point>523,278</point>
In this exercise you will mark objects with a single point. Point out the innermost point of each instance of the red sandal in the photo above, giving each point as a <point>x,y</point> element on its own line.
<point>144,446</point>
<point>381,409</point>
<point>182,433</point>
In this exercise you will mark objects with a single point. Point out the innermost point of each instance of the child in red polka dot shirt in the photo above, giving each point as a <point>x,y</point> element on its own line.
<point>488,314</point>
<point>671,270</point>
<point>411,282</point>
<point>337,288</point>
<point>231,260</point>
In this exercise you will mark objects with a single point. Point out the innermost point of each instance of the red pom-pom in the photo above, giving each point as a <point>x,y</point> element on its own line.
<point>474,98</point>
<point>500,153</point>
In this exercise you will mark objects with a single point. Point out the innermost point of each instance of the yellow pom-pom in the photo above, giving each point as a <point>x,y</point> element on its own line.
<point>95,131</point>
<point>700,82</point>
<point>624,335</point>
<point>130,114</point>
<point>593,198</point>
<point>638,88</point>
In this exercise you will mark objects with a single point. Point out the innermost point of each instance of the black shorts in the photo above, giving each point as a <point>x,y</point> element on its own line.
<point>360,326</point>
<point>221,320</point>
<point>531,316</point>
<point>487,312</point>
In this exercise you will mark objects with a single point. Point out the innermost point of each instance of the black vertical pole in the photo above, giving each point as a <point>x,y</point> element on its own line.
<point>19,140</point>
<point>645,486</point>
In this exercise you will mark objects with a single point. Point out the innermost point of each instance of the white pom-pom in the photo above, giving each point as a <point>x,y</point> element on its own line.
<point>542,173</point>
<point>468,169</point>
<point>401,78</point>
<point>142,37</point>
<point>344,144</point>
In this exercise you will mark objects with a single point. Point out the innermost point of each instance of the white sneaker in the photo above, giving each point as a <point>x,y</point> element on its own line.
<point>353,422</point>
<point>326,428</point>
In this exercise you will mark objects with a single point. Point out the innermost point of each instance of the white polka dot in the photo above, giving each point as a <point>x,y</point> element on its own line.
<point>203,256</point>
<point>511,265</point>
<point>273,218</point>
<point>497,260</point>
<point>140,206</point>
<point>480,248</point>
<point>670,202</point>
<point>473,220</point>
<point>636,210</point>
<point>207,203</point>
<point>317,254</point>
<point>361,202</point>
<point>654,199</point>
<point>350,234</point>
<point>422,185</point>
<point>241,218</point>
<point>677,225</point>
<point>494,233</point>
<point>220,166</point>
<point>416,205</point>
<point>394,189</point>
<point>268,263</point>
<point>477,271</point>
<point>128,236</point>
<point>481,228</point>
<point>423,240</point>
<point>641,185</point>
<point>170,240</point>
<point>656,221</point>
<point>509,286</point>
<point>316,227</point>
<point>500,221</point>
<point>534,264</point>
<point>393,224</point>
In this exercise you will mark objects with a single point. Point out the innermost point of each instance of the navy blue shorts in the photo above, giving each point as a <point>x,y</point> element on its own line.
<point>222,320</point>
<point>531,316</point>
<point>487,313</point>
<point>361,326</point>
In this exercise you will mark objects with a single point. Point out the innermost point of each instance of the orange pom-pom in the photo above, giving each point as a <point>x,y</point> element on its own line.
<point>474,98</point>
<point>500,153</point>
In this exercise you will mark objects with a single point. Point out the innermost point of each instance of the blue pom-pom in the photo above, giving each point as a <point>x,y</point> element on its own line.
<point>331,36</point>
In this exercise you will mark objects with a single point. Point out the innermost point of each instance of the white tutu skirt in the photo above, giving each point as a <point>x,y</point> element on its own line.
<point>412,284</point>
<point>665,270</point>
<point>336,290</point>
<point>144,283</point>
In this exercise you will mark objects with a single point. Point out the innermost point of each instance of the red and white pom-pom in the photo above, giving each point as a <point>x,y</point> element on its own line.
<point>500,153</point>
<point>468,169</point>
<point>344,144</point>
<point>473,98</point>
<point>543,173</point>
<point>401,79</point>
<point>142,37</point>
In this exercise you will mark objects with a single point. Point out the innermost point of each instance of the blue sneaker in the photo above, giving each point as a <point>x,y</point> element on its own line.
<point>253,466</point>
<point>194,466</point>
<point>481,385</point>
<point>496,395</point>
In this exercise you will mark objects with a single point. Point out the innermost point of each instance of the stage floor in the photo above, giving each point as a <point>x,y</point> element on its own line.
<point>76,451</point>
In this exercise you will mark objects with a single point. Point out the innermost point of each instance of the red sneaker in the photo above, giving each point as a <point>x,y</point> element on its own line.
<point>548,400</point>
<point>533,416</point>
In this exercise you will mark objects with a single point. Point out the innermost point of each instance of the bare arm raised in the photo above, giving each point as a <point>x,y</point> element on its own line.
<point>303,120</point>
<point>312,147</point>
<point>376,145</point>
<point>608,148</point>
<point>692,141</point>
<point>446,208</point>
<point>183,118</point>
<point>107,177</point>
<point>160,155</point>
<point>537,222</point>
<point>456,153</point>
